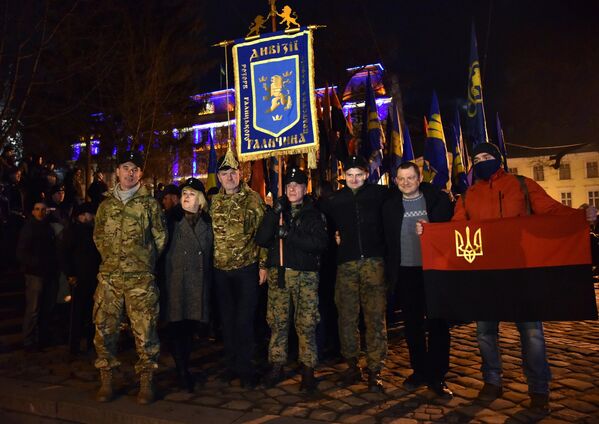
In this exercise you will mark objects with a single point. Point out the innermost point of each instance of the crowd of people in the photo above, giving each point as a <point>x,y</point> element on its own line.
<point>193,257</point>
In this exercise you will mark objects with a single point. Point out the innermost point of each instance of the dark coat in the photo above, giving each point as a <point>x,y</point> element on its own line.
<point>188,270</point>
<point>78,252</point>
<point>36,249</point>
<point>438,208</point>
<point>307,238</point>
<point>358,218</point>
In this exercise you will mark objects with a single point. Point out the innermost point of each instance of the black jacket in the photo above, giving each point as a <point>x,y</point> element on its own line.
<point>36,250</point>
<point>307,238</point>
<point>358,218</point>
<point>438,208</point>
<point>78,252</point>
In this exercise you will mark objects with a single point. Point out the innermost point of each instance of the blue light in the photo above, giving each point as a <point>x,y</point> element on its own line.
<point>95,147</point>
<point>176,165</point>
<point>114,151</point>
<point>76,151</point>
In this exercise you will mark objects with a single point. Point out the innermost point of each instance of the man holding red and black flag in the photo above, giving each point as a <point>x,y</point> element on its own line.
<point>511,283</point>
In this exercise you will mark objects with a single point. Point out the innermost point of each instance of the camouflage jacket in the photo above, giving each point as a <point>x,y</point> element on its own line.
<point>235,220</point>
<point>131,236</point>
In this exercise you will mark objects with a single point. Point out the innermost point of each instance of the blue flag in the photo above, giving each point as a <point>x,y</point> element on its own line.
<point>408,151</point>
<point>436,168</point>
<point>501,143</point>
<point>373,138</point>
<point>397,142</point>
<point>459,182</point>
<point>477,126</point>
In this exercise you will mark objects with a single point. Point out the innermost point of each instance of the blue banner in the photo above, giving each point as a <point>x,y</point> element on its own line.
<point>477,125</point>
<point>275,101</point>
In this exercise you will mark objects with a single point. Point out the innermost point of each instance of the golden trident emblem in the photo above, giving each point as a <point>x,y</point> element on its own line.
<point>472,249</point>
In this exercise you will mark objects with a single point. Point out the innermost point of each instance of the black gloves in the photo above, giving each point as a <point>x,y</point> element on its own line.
<point>281,205</point>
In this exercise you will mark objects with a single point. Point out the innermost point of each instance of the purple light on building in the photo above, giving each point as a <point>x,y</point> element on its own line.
<point>95,147</point>
<point>114,151</point>
<point>176,166</point>
<point>76,151</point>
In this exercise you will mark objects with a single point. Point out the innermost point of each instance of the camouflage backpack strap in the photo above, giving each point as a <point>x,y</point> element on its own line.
<point>524,189</point>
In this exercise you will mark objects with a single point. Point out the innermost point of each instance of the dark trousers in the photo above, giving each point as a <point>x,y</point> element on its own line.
<point>40,298</point>
<point>428,339</point>
<point>82,306</point>
<point>237,293</point>
<point>180,334</point>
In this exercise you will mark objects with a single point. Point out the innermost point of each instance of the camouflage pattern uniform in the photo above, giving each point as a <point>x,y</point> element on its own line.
<point>130,237</point>
<point>301,291</point>
<point>235,219</point>
<point>361,283</point>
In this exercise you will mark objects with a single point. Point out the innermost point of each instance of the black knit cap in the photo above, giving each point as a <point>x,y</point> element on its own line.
<point>489,148</point>
<point>56,188</point>
<point>131,156</point>
<point>295,175</point>
<point>355,162</point>
<point>194,184</point>
<point>86,207</point>
<point>171,189</point>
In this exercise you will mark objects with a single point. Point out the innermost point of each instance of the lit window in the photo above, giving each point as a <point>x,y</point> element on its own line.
<point>513,170</point>
<point>564,171</point>
<point>538,173</point>
<point>594,198</point>
<point>567,199</point>
<point>592,170</point>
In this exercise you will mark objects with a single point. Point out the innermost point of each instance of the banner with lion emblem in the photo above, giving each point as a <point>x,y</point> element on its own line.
<point>275,106</point>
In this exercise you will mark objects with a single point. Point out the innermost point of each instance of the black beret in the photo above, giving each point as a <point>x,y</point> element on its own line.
<point>133,156</point>
<point>487,148</point>
<point>194,184</point>
<point>294,174</point>
<point>355,162</point>
<point>171,189</point>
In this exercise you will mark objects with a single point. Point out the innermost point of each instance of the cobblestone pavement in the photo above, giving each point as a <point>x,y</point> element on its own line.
<point>573,350</point>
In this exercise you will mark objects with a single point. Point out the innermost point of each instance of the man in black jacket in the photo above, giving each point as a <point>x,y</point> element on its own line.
<point>36,252</point>
<point>356,212</point>
<point>416,201</point>
<point>293,283</point>
<point>81,261</point>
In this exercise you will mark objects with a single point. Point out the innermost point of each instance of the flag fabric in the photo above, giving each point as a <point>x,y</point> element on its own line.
<point>352,148</point>
<point>211,181</point>
<point>529,268</point>
<point>396,141</point>
<point>477,126</point>
<point>257,182</point>
<point>436,168</point>
<point>501,143</point>
<point>339,127</point>
<point>373,138</point>
<point>459,181</point>
<point>408,151</point>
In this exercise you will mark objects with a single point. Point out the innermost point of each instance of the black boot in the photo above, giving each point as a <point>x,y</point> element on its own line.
<point>273,377</point>
<point>353,374</point>
<point>181,357</point>
<point>308,383</point>
<point>375,382</point>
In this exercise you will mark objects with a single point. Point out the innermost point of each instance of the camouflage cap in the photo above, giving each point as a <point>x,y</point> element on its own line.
<point>355,162</point>
<point>294,174</point>
<point>133,156</point>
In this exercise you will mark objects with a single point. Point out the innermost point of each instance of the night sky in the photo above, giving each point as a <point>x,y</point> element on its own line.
<point>540,59</point>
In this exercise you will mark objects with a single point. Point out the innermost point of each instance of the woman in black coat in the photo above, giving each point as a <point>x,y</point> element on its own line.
<point>188,272</point>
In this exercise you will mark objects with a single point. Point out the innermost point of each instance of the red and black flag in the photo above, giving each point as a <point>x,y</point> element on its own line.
<point>532,268</point>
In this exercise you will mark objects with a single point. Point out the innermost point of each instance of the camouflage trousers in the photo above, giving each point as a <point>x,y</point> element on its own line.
<point>361,284</point>
<point>300,298</point>
<point>138,293</point>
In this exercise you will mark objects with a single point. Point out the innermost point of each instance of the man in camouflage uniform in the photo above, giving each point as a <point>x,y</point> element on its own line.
<point>293,285</point>
<point>130,234</point>
<point>356,212</point>
<point>236,213</point>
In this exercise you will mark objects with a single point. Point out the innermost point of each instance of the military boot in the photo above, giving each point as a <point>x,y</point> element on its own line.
<point>106,392</point>
<point>146,393</point>
<point>375,382</point>
<point>308,383</point>
<point>273,377</point>
<point>353,373</point>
